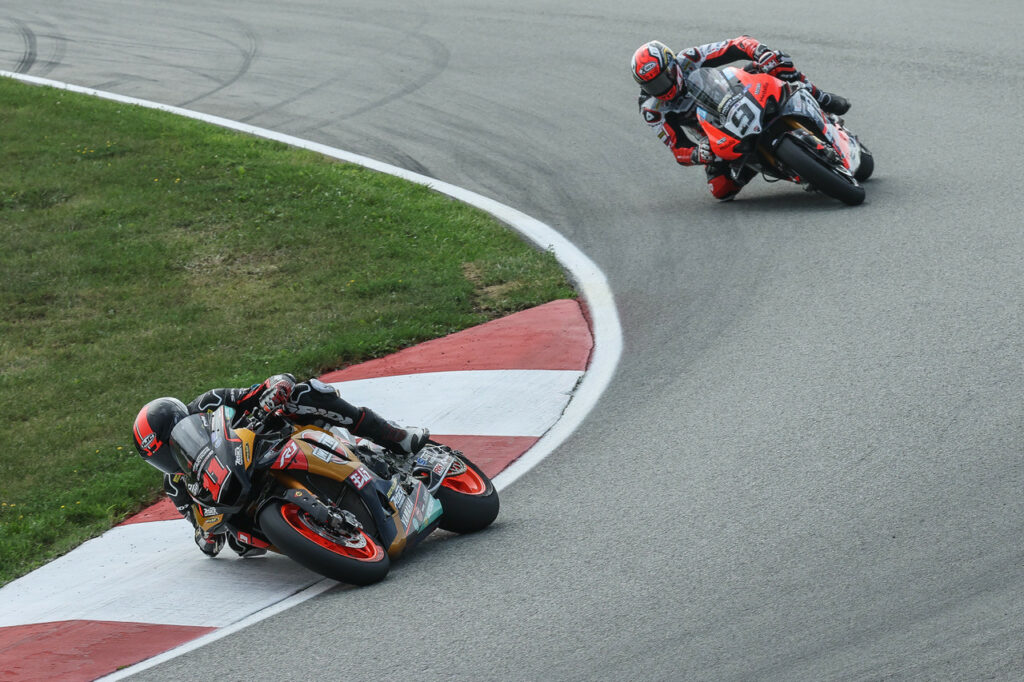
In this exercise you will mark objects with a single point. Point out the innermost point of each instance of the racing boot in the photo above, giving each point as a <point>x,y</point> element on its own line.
<point>407,440</point>
<point>832,103</point>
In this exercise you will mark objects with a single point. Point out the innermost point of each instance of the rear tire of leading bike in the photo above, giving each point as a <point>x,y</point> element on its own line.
<point>469,501</point>
<point>316,547</point>
<point>867,166</point>
<point>815,171</point>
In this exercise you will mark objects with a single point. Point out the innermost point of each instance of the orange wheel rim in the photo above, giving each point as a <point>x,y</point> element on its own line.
<point>468,482</point>
<point>294,517</point>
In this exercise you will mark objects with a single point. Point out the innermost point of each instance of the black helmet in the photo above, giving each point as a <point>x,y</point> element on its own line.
<point>152,432</point>
<point>655,70</point>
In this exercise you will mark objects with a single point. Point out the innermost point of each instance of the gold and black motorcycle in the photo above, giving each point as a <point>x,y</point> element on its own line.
<point>339,506</point>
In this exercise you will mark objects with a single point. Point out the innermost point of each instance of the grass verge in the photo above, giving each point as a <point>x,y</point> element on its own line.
<point>145,254</point>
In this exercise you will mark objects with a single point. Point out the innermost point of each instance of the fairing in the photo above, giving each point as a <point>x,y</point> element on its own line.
<point>215,458</point>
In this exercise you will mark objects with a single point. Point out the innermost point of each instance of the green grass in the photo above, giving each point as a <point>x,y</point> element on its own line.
<point>145,254</point>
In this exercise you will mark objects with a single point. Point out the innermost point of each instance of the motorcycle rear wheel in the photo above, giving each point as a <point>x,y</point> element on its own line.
<point>867,166</point>
<point>469,501</point>
<point>319,549</point>
<point>815,171</point>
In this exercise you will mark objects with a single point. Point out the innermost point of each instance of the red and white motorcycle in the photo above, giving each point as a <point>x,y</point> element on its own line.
<point>777,128</point>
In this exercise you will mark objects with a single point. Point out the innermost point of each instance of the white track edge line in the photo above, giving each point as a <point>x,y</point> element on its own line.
<point>591,281</point>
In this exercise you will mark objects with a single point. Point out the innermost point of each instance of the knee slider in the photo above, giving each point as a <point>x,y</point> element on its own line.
<point>723,187</point>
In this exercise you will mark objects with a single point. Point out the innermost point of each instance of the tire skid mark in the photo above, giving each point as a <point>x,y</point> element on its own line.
<point>248,52</point>
<point>287,100</point>
<point>28,55</point>
<point>34,43</point>
<point>439,56</point>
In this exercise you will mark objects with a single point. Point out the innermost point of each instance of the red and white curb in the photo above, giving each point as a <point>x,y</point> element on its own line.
<point>507,392</point>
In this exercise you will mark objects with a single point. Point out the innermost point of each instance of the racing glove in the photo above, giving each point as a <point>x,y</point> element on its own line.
<point>208,543</point>
<point>693,156</point>
<point>277,392</point>
<point>702,153</point>
<point>776,63</point>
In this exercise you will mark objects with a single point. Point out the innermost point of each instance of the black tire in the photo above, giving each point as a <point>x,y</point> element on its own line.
<point>297,535</point>
<point>816,172</point>
<point>469,501</point>
<point>867,165</point>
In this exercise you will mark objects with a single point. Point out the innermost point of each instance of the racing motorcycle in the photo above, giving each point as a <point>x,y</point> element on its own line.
<point>754,120</point>
<point>338,505</point>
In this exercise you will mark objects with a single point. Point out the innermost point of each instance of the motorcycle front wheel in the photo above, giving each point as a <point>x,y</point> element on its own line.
<point>355,558</point>
<point>819,174</point>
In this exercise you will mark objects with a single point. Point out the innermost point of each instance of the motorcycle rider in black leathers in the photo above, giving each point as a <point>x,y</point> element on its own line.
<point>671,111</point>
<point>306,402</point>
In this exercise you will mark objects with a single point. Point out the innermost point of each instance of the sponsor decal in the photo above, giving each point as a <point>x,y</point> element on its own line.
<point>320,437</point>
<point>651,116</point>
<point>406,514</point>
<point>214,477</point>
<point>238,455</point>
<point>148,441</point>
<point>204,456</point>
<point>287,453</point>
<point>216,438</point>
<point>398,497</point>
<point>320,453</point>
<point>360,477</point>
<point>250,540</point>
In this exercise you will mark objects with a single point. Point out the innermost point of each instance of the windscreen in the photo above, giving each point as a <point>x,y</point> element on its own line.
<point>190,441</point>
<point>711,88</point>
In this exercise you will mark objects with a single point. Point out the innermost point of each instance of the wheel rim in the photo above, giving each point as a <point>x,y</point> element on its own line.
<point>361,547</point>
<point>468,482</point>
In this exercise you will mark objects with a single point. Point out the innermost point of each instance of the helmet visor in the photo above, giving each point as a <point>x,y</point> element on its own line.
<point>660,84</point>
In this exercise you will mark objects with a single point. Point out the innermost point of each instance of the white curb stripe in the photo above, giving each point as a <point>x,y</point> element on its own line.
<point>470,403</point>
<point>159,576</point>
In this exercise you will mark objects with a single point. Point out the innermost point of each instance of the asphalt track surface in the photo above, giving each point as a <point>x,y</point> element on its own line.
<point>808,465</point>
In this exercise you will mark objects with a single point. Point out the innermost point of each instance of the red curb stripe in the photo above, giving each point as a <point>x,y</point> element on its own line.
<point>164,510</point>
<point>493,454</point>
<point>552,336</point>
<point>74,650</point>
